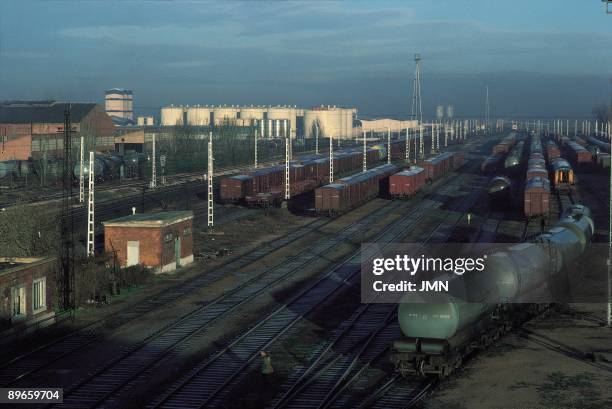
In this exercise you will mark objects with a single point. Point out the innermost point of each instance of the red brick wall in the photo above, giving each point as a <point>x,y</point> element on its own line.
<point>25,277</point>
<point>150,243</point>
<point>154,251</point>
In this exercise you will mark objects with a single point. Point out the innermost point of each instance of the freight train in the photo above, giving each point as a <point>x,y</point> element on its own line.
<point>438,336</point>
<point>536,195</point>
<point>347,193</point>
<point>112,166</point>
<point>265,187</point>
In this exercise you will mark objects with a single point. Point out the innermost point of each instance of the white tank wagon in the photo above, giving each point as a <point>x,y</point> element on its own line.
<point>172,116</point>
<point>198,116</point>
<point>437,336</point>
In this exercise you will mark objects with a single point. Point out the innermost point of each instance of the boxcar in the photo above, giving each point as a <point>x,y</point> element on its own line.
<point>537,197</point>
<point>234,188</point>
<point>351,191</point>
<point>438,166</point>
<point>552,150</point>
<point>407,182</point>
<point>578,154</point>
<point>536,168</point>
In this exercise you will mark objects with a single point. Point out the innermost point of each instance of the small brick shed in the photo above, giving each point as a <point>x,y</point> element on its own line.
<point>161,241</point>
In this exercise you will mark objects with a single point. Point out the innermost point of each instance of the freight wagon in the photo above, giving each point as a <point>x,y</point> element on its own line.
<point>562,174</point>
<point>442,164</point>
<point>407,183</point>
<point>578,154</point>
<point>506,144</point>
<point>514,161</point>
<point>603,146</point>
<point>537,197</point>
<point>437,337</point>
<point>552,150</point>
<point>493,163</point>
<point>347,193</point>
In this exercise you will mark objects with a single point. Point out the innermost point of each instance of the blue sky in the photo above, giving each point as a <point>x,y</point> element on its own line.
<point>539,57</point>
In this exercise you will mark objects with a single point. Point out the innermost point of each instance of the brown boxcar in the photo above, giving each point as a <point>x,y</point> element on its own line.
<point>578,154</point>
<point>407,182</point>
<point>552,150</point>
<point>234,188</point>
<point>537,197</point>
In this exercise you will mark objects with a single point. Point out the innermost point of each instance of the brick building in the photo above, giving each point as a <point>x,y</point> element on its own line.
<point>25,292</point>
<point>31,129</point>
<point>161,241</point>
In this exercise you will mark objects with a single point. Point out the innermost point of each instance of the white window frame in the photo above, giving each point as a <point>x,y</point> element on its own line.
<point>22,302</point>
<point>43,295</point>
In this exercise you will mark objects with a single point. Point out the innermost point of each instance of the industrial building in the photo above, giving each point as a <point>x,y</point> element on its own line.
<point>384,124</point>
<point>145,121</point>
<point>160,241</point>
<point>271,121</point>
<point>33,129</point>
<point>120,105</point>
<point>25,296</point>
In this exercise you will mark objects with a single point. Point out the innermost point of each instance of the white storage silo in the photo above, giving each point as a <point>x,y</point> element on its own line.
<point>172,116</point>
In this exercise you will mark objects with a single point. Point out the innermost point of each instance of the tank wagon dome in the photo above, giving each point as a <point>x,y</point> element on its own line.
<point>499,183</point>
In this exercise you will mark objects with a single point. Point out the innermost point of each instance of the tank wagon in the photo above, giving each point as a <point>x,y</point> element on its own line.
<point>442,164</point>
<point>349,192</point>
<point>514,160</point>
<point>493,163</point>
<point>15,168</point>
<point>500,191</point>
<point>109,166</point>
<point>562,174</point>
<point>603,146</point>
<point>438,336</point>
<point>407,183</point>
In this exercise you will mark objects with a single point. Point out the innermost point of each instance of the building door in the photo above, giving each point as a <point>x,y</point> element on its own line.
<point>177,251</point>
<point>133,253</point>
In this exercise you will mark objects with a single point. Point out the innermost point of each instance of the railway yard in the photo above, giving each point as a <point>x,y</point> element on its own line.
<point>282,283</point>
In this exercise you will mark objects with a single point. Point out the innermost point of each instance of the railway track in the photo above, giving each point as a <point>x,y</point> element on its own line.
<point>324,384</point>
<point>206,386</point>
<point>132,366</point>
<point>26,364</point>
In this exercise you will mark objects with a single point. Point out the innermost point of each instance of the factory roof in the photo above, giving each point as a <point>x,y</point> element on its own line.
<point>12,264</point>
<point>150,219</point>
<point>24,112</point>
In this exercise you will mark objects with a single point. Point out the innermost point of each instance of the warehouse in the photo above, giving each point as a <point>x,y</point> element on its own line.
<point>25,296</point>
<point>33,129</point>
<point>160,241</point>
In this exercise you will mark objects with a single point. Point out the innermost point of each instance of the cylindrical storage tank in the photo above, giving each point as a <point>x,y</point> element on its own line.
<point>198,116</point>
<point>224,114</point>
<point>172,116</point>
<point>251,115</point>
